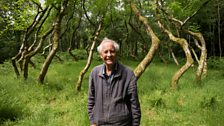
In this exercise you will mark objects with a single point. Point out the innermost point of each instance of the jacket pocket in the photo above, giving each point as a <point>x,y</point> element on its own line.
<point>119,107</point>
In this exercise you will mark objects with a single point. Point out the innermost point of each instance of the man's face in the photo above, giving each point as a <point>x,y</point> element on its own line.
<point>108,53</point>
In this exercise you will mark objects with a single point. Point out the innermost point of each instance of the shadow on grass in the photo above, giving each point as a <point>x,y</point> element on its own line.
<point>8,113</point>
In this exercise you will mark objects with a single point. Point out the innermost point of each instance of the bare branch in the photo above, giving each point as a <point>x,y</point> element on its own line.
<point>37,31</point>
<point>188,18</point>
<point>38,5</point>
<point>85,12</point>
<point>67,24</point>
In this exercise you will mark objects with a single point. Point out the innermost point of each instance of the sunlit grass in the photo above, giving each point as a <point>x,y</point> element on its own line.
<point>57,103</point>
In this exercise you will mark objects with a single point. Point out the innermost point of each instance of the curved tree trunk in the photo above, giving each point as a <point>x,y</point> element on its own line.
<point>85,69</point>
<point>31,51</point>
<point>56,38</point>
<point>23,66</point>
<point>25,48</point>
<point>183,43</point>
<point>202,65</point>
<point>27,58</point>
<point>155,44</point>
<point>13,60</point>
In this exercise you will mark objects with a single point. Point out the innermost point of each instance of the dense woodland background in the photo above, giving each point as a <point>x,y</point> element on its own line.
<point>81,19</point>
<point>182,42</point>
<point>191,30</point>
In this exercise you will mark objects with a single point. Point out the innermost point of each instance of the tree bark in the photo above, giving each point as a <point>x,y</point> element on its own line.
<point>198,36</point>
<point>184,44</point>
<point>13,60</point>
<point>202,65</point>
<point>25,48</point>
<point>155,44</point>
<point>85,69</point>
<point>28,56</point>
<point>31,51</point>
<point>56,38</point>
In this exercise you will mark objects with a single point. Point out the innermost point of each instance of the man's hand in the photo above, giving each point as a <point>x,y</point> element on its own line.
<point>93,125</point>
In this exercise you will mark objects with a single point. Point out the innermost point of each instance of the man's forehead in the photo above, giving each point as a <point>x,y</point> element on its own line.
<point>107,43</point>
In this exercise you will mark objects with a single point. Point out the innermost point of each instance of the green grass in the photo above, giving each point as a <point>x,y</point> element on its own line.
<point>56,103</point>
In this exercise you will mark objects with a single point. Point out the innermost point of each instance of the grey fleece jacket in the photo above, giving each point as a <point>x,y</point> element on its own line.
<point>113,100</point>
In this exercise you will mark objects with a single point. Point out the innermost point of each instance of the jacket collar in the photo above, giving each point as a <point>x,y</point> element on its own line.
<point>116,71</point>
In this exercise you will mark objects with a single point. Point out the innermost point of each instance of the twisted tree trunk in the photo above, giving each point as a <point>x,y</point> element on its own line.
<point>28,56</point>
<point>56,38</point>
<point>184,44</point>
<point>202,65</point>
<point>25,48</point>
<point>154,46</point>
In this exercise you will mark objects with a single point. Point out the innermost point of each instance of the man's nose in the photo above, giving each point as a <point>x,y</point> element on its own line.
<point>109,53</point>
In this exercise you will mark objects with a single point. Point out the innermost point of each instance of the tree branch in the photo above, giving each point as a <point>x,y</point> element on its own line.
<point>85,12</point>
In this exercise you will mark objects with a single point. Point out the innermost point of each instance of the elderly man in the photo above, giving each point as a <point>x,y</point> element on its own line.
<point>112,96</point>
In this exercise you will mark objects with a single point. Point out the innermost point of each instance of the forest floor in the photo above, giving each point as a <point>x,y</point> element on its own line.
<point>57,103</point>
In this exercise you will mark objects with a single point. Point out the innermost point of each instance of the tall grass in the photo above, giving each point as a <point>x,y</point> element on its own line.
<point>56,102</point>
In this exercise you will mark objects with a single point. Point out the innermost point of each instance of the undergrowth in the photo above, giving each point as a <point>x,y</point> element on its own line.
<point>57,103</point>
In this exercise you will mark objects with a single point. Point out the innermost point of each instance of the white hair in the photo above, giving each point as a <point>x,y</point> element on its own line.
<point>116,46</point>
